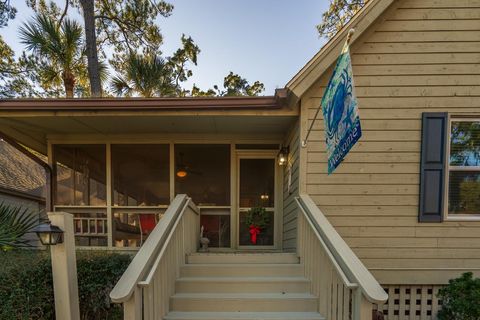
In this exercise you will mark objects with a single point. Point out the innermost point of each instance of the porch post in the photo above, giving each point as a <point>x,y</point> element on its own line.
<point>64,269</point>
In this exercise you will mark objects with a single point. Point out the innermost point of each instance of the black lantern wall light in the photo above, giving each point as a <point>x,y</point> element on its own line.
<point>282,156</point>
<point>49,235</point>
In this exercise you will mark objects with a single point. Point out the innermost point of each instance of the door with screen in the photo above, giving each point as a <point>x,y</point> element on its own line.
<point>256,188</point>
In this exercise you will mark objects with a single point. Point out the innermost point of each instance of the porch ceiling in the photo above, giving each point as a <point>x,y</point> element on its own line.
<point>33,121</point>
<point>33,130</point>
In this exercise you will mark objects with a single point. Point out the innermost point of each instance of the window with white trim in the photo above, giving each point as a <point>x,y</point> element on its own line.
<point>464,168</point>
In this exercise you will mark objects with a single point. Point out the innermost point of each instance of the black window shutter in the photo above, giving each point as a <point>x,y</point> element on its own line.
<point>432,167</point>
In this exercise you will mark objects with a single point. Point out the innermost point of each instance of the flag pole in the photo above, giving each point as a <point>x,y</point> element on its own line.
<point>304,142</point>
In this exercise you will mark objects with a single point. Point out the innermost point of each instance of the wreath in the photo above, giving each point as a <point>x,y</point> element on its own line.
<point>256,219</point>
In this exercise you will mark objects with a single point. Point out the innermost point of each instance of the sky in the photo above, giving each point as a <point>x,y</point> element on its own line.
<point>265,40</point>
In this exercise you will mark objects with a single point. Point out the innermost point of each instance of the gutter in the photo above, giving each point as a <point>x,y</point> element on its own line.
<point>23,195</point>
<point>150,104</point>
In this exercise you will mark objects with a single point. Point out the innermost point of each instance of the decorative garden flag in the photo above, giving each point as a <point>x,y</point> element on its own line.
<point>340,112</point>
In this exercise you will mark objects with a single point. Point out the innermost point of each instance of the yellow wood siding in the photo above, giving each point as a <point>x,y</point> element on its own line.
<point>289,204</point>
<point>422,56</point>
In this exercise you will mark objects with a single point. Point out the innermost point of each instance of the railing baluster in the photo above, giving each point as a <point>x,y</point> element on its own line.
<point>346,303</point>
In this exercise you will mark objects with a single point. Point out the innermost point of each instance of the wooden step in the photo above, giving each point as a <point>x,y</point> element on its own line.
<point>243,302</point>
<point>242,285</point>
<point>244,316</point>
<point>242,258</point>
<point>243,270</point>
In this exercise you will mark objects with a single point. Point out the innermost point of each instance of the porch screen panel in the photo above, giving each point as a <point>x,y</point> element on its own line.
<point>202,171</point>
<point>207,173</point>
<point>80,175</point>
<point>90,227</point>
<point>140,175</point>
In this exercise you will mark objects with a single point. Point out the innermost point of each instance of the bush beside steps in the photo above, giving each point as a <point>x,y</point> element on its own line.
<point>26,288</point>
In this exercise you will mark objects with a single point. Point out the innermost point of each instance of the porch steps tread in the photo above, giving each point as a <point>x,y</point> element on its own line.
<point>244,302</point>
<point>242,284</point>
<point>243,279</point>
<point>249,295</point>
<point>242,258</point>
<point>243,316</point>
<point>241,270</point>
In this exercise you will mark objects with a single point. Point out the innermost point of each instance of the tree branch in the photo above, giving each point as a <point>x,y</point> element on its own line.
<point>64,13</point>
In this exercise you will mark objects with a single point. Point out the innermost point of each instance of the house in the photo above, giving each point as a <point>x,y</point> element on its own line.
<point>400,213</point>
<point>22,180</point>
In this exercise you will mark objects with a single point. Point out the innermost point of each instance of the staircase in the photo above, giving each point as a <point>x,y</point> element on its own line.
<point>242,286</point>
<point>167,279</point>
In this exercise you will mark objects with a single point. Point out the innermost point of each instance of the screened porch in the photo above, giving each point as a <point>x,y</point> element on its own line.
<point>118,163</point>
<point>118,192</point>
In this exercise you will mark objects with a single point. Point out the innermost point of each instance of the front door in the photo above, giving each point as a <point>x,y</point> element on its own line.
<point>257,198</point>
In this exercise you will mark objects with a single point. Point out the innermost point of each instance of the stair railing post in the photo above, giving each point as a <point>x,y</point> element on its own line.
<point>132,309</point>
<point>362,308</point>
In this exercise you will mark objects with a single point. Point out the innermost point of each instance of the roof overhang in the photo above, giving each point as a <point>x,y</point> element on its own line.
<point>329,53</point>
<point>133,105</point>
<point>33,121</point>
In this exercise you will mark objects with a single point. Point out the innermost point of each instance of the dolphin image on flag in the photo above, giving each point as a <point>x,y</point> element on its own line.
<point>340,111</point>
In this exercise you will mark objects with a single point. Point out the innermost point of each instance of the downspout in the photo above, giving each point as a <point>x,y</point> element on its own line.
<point>46,166</point>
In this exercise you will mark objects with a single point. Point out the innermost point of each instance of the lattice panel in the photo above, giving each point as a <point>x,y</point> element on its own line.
<point>411,302</point>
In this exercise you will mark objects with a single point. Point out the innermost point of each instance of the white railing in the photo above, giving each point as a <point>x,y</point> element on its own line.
<point>149,281</point>
<point>345,287</point>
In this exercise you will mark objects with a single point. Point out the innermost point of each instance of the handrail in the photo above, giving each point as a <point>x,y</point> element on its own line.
<point>151,249</point>
<point>339,270</point>
<point>340,253</point>
<point>153,269</point>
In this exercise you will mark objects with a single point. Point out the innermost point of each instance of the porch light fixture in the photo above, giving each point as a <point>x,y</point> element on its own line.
<point>49,235</point>
<point>283,156</point>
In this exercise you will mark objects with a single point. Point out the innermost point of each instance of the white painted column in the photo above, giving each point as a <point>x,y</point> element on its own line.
<point>64,269</point>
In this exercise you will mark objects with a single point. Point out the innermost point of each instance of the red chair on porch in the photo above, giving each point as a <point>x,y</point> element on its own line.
<point>147,224</point>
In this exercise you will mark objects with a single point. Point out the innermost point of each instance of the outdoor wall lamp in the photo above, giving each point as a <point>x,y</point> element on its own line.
<point>283,155</point>
<point>49,235</point>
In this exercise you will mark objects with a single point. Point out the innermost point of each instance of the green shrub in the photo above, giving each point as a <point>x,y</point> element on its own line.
<point>26,288</point>
<point>97,275</point>
<point>461,299</point>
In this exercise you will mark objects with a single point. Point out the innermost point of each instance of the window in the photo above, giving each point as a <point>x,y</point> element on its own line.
<point>464,168</point>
